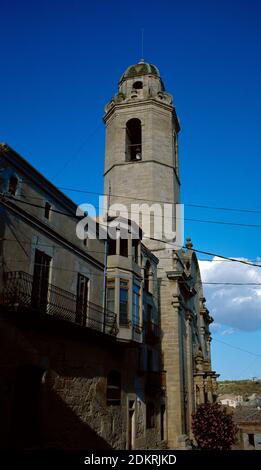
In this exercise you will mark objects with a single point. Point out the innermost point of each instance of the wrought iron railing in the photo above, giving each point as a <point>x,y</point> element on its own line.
<point>22,290</point>
<point>127,323</point>
<point>137,328</point>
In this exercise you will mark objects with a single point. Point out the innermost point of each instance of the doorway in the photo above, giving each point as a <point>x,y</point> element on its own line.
<point>40,286</point>
<point>82,299</point>
<point>26,419</point>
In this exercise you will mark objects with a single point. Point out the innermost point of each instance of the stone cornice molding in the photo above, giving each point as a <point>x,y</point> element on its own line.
<point>139,162</point>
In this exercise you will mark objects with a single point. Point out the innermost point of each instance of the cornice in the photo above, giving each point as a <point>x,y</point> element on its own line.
<point>139,163</point>
<point>137,104</point>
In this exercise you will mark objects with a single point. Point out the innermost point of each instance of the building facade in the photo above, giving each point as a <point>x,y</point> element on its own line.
<point>77,369</point>
<point>248,422</point>
<point>230,400</point>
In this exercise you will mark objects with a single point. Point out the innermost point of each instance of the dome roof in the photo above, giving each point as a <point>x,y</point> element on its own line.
<point>142,68</point>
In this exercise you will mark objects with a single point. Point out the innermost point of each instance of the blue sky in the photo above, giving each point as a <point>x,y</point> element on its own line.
<point>60,64</point>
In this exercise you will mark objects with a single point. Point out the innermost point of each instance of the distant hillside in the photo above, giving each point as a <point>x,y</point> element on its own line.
<point>239,387</point>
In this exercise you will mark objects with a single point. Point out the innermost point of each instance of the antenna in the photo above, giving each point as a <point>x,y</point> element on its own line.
<point>142,45</point>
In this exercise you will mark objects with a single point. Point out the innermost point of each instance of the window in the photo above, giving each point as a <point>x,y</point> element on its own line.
<point>133,140</point>
<point>135,251</point>
<point>251,439</point>
<point>47,209</point>
<point>135,305</point>
<point>13,182</point>
<point>111,246</point>
<point>138,85</point>
<point>150,415</point>
<point>111,295</point>
<point>124,301</point>
<point>114,388</point>
<point>147,277</point>
<point>124,247</point>
<point>82,299</point>
<point>40,281</point>
<point>149,313</point>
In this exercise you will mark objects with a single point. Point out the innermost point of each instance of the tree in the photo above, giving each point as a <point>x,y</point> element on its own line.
<point>213,427</point>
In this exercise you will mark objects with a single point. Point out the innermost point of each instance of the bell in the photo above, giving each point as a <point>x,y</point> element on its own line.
<point>138,154</point>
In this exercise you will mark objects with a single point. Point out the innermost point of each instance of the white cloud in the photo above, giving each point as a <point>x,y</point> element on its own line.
<point>216,327</point>
<point>238,307</point>
<point>229,331</point>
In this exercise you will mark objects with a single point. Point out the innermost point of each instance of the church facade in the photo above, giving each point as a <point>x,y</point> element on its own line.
<point>142,167</point>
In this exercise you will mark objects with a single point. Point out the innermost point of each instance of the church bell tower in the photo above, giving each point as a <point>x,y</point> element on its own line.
<point>141,162</point>
<point>141,167</point>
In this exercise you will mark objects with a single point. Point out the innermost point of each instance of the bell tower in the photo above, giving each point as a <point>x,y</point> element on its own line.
<point>141,167</point>
<point>141,162</point>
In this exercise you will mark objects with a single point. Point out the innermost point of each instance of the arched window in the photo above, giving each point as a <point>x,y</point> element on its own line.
<point>138,85</point>
<point>133,140</point>
<point>114,388</point>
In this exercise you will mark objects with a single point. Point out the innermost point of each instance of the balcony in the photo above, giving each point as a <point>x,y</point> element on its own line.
<point>129,331</point>
<point>151,333</point>
<point>19,292</point>
<point>137,332</point>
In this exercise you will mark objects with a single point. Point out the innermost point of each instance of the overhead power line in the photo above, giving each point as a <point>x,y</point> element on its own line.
<point>78,151</point>
<point>236,347</point>
<point>242,284</point>
<point>202,206</point>
<point>208,253</point>
<point>165,258</point>
<point>218,222</point>
<point>230,209</point>
<point>232,283</point>
<point>56,268</point>
<point>143,199</point>
<point>181,247</point>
